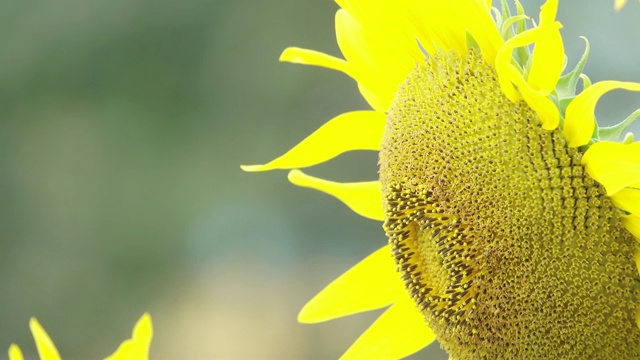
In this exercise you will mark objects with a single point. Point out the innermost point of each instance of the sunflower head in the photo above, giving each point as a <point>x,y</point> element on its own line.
<point>512,217</point>
<point>500,235</point>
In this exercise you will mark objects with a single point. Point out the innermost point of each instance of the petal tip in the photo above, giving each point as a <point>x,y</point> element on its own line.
<point>306,317</point>
<point>286,55</point>
<point>253,168</point>
<point>34,324</point>
<point>144,326</point>
<point>15,353</point>
<point>296,177</point>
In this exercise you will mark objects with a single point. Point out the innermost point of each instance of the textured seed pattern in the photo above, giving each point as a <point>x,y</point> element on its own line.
<point>508,248</point>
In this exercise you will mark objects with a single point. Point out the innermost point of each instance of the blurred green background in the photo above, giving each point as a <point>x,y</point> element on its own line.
<point>122,127</point>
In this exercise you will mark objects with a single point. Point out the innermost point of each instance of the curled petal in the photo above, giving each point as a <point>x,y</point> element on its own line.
<point>503,65</point>
<point>580,120</point>
<point>357,130</point>
<point>538,100</point>
<point>364,198</point>
<point>548,53</point>
<point>371,284</point>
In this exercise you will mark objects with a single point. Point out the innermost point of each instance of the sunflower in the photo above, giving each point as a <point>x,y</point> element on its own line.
<point>136,348</point>
<point>512,217</point>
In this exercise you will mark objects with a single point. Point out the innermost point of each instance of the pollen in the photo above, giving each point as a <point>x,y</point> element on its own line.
<point>507,246</point>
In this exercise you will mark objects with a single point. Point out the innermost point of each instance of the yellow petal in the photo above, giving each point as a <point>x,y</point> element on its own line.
<point>442,26</point>
<point>400,331</point>
<point>503,59</point>
<point>387,23</point>
<point>627,199</point>
<point>548,12</point>
<point>580,121</point>
<point>537,100</point>
<point>357,130</point>
<point>548,53</point>
<point>614,165</point>
<point>364,198</point>
<point>478,21</point>
<point>46,349</point>
<point>372,96</point>
<point>316,58</point>
<point>632,223</point>
<point>378,65</point>
<point>15,353</point>
<point>371,284</point>
<point>136,348</point>
<point>619,4</point>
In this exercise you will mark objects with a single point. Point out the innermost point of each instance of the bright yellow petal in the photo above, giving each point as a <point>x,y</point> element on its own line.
<point>503,64</point>
<point>478,21</point>
<point>619,4</point>
<point>537,100</point>
<point>377,65</point>
<point>548,53</point>
<point>371,284</point>
<point>442,26</point>
<point>15,353</point>
<point>364,198</point>
<point>627,199</point>
<point>136,348</point>
<point>548,12</point>
<point>437,25</point>
<point>632,223</point>
<point>357,130</point>
<point>46,349</point>
<point>614,165</point>
<point>388,23</point>
<point>297,55</point>
<point>400,331</point>
<point>580,121</point>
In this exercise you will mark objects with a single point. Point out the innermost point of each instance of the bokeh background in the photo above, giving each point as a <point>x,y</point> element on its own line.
<point>122,127</point>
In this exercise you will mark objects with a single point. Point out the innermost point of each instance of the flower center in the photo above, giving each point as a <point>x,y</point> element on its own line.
<point>508,248</point>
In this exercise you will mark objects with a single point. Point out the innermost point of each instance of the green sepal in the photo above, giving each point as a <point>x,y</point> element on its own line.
<point>586,82</point>
<point>472,43</point>
<point>522,53</point>
<point>567,84</point>
<point>614,133</point>
<point>506,29</point>
<point>519,11</point>
<point>563,103</point>
<point>506,12</point>
<point>497,16</point>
